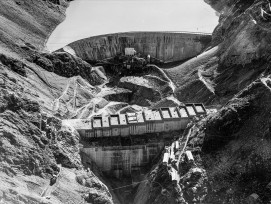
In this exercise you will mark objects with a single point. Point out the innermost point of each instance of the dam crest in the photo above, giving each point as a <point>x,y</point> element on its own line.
<point>165,46</point>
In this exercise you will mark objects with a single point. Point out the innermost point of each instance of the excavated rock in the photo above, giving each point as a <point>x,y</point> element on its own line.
<point>146,90</point>
<point>98,192</point>
<point>15,65</point>
<point>67,65</point>
<point>21,133</point>
<point>32,145</point>
<point>194,185</point>
<point>241,55</point>
<point>28,23</point>
<point>233,145</point>
<point>157,188</point>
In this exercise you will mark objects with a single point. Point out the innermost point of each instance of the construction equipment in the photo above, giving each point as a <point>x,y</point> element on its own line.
<point>128,62</point>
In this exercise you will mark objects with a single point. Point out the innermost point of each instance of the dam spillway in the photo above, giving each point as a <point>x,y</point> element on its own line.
<point>165,46</point>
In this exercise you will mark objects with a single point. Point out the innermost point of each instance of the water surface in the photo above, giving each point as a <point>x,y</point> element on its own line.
<point>87,18</point>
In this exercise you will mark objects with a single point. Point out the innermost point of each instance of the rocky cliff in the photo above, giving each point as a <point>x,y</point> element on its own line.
<point>232,145</point>
<point>29,23</point>
<point>240,55</point>
<point>34,147</point>
<point>38,89</point>
<point>235,146</point>
<point>168,47</point>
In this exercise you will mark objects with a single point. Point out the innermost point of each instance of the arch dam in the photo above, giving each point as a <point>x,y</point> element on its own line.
<point>165,46</point>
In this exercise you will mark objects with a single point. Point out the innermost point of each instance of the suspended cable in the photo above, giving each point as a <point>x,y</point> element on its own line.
<point>129,185</point>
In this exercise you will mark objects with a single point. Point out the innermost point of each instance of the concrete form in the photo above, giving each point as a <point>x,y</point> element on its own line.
<point>106,127</point>
<point>121,160</point>
<point>153,121</point>
<point>115,125</point>
<point>166,115</point>
<point>191,109</point>
<point>97,126</point>
<point>200,109</point>
<point>124,128</point>
<point>149,121</point>
<point>185,119</point>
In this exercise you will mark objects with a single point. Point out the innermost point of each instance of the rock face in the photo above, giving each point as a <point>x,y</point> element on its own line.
<point>167,47</point>
<point>32,145</point>
<point>28,23</point>
<point>15,65</point>
<point>235,144</point>
<point>66,65</point>
<point>158,188</point>
<point>24,140</point>
<point>99,192</point>
<point>241,56</point>
<point>146,90</point>
<point>231,146</point>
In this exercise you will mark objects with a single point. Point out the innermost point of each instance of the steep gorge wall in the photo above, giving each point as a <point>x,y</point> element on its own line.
<point>27,23</point>
<point>240,55</point>
<point>30,152</point>
<point>232,145</point>
<point>165,46</point>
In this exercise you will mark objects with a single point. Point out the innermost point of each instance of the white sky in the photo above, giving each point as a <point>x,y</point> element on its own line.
<point>87,18</point>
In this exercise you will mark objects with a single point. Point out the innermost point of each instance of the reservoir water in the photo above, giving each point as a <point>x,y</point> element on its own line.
<point>86,18</point>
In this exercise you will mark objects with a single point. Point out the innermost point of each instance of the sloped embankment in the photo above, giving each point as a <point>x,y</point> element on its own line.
<point>146,89</point>
<point>33,147</point>
<point>29,23</point>
<point>235,146</point>
<point>241,56</point>
<point>231,150</point>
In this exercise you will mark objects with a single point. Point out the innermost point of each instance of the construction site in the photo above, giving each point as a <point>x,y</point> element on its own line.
<point>121,144</point>
<point>135,116</point>
<point>125,145</point>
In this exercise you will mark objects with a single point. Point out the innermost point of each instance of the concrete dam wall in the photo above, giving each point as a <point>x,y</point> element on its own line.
<point>166,46</point>
<point>122,160</point>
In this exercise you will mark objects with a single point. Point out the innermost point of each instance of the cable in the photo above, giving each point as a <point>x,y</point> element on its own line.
<point>129,185</point>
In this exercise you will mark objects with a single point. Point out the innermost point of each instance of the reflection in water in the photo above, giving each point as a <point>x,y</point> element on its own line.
<point>87,18</point>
